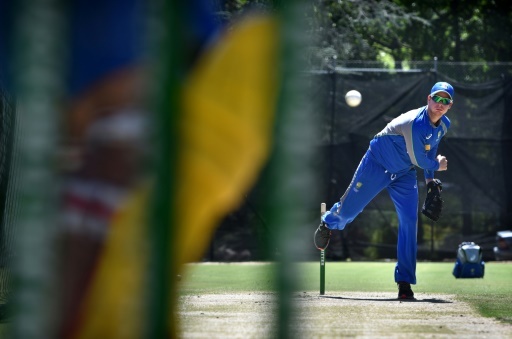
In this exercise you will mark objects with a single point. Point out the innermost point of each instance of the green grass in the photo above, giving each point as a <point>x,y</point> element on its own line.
<point>490,296</point>
<point>228,278</point>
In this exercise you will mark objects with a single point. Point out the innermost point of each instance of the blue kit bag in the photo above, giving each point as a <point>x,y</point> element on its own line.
<point>469,262</point>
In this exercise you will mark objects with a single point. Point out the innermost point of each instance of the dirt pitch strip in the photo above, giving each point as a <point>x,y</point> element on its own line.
<point>336,315</point>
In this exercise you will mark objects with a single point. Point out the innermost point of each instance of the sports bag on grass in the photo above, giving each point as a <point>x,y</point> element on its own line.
<point>469,262</point>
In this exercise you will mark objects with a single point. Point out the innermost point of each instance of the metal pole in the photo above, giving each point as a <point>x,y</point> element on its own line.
<point>432,241</point>
<point>322,272</point>
<point>322,255</point>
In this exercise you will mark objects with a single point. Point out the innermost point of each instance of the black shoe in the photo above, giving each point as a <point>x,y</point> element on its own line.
<point>405,291</point>
<point>322,236</point>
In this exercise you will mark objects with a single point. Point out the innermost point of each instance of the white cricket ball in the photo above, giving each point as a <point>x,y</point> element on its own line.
<point>353,98</point>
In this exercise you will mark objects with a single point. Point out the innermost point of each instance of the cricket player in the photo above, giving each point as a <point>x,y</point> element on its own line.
<point>411,140</point>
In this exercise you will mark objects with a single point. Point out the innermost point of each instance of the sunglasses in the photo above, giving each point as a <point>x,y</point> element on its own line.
<point>441,100</point>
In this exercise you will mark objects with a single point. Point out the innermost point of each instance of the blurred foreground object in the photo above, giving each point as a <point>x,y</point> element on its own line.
<point>103,239</point>
<point>128,166</point>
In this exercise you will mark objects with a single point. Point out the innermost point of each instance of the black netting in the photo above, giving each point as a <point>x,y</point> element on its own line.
<point>478,144</point>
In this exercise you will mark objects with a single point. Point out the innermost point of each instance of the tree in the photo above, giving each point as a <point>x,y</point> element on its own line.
<point>452,30</point>
<point>357,30</point>
<point>469,30</point>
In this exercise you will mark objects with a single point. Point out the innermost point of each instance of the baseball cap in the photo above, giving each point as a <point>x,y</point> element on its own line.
<point>442,87</point>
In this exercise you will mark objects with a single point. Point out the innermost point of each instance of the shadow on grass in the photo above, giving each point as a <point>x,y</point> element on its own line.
<point>431,300</point>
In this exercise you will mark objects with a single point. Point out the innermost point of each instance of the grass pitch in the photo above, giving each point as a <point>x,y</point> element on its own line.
<point>490,296</point>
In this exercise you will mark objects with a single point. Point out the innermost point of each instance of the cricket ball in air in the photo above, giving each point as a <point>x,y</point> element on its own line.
<point>353,98</point>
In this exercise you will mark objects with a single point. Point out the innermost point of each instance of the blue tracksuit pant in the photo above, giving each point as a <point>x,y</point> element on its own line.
<point>369,179</point>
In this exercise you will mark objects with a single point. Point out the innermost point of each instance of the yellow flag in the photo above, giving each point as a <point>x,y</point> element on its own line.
<point>229,104</point>
<point>114,306</point>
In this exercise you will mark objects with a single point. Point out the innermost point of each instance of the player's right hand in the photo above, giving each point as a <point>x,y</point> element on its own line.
<point>443,162</point>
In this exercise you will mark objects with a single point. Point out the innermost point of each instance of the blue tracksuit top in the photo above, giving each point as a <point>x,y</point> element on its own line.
<point>410,139</point>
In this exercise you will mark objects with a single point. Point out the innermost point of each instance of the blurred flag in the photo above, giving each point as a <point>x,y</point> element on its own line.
<point>221,131</point>
<point>224,130</point>
<point>242,103</point>
<point>228,112</point>
<point>123,235</point>
<point>102,214</point>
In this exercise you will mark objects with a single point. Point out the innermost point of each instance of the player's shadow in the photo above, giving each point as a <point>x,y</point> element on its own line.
<point>430,300</point>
